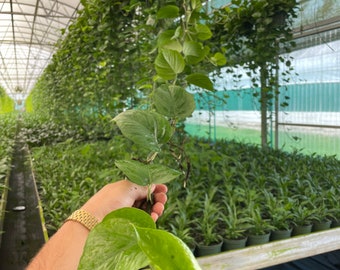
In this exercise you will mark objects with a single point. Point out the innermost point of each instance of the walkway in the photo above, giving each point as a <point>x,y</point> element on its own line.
<point>23,235</point>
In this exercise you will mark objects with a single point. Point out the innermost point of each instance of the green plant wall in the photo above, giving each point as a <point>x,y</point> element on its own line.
<point>6,103</point>
<point>98,63</point>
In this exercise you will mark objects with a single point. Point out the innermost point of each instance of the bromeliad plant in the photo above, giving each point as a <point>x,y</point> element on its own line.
<point>180,49</point>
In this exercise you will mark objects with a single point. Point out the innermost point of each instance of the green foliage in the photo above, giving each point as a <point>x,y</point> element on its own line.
<point>180,49</point>
<point>130,233</point>
<point>7,135</point>
<point>69,173</point>
<point>146,174</point>
<point>235,220</point>
<point>146,129</point>
<point>255,33</point>
<point>6,103</point>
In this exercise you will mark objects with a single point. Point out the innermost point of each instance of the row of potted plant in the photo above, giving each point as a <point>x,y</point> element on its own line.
<point>242,190</point>
<point>233,189</point>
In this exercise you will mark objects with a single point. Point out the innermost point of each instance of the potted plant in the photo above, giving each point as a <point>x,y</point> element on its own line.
<point>303,217</point>
<point>209,241</point>
<point>234,226</point>
<point>323,214</point>
<point>181,225</point>
<point>280,214</point>
<point>260,227</point>
<point>333,203</point>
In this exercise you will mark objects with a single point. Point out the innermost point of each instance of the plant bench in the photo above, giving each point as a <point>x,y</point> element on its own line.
<point>274,253</point>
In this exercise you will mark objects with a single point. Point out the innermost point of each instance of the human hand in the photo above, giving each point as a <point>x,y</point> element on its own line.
<point>126,194</point>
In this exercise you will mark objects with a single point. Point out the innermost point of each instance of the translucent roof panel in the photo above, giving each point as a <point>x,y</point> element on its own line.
<point>29,30</point>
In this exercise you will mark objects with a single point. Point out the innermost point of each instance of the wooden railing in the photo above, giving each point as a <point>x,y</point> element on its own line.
<point>273,253</point>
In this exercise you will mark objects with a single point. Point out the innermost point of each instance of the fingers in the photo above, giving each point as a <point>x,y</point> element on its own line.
<point>157,210</point>
<point>160,188</point>
<point>160,197</point>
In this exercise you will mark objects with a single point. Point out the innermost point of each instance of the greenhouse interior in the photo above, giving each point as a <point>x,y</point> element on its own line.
<point>170,134</point>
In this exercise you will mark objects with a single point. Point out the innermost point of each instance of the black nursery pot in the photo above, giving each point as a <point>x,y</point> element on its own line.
<point>231,244</point>
<point>258,239</point>
<point>203,250</point>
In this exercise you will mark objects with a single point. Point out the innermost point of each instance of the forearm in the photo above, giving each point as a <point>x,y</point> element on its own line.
<point>63,250</point>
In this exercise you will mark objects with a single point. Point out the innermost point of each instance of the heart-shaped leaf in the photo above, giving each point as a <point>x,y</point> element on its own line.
<point>165,251</point>
<point>146,174</point>
<point>114,242</point>
<point>203,31</point>
<point>200,80</point>
<point>194,52</point>
<point>169,63</point>
<point>166,40</point>
<point>169,11</point>
<point>173,101</point>
<point>128,239</point>
<point>147,129</point>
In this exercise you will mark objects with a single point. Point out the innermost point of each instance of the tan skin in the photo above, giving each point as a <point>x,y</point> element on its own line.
<point>64,249</point>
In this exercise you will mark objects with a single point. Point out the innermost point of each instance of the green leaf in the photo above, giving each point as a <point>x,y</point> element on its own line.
<point>173,101</point>
<point>146,174</point>
<point>200,80</point>
<point>168,63</point>
<point>147,129</point>
<point>169,11</point>
<point>203,31</point>
<point>161,174</point>
<point>194,52</point>
<point>166,41</point>
<point>165,251</point>
<point>219,59</point>
<point>114,242</point>
<point>128,239</point>
<point>135,171</point>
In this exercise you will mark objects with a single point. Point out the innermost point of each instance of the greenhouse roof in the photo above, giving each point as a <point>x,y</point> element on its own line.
<point>29,30</point>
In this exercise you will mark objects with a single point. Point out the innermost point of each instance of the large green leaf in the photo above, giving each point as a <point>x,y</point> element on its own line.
<point>169,11</point>
<point>203,31</point>
<point>128,239</point>
<point>165,251</point>
<point>146,129</point>
<point>194,52</point>
<point>146,174</point>
<point>218,59</point>
<point>166,40</point>
<point>113,244</point>
<point>169,63</point>
<point>173,101</point>
<point>200,80</point>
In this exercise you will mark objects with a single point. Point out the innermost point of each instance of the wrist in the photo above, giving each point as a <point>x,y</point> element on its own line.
<point>83,217</point>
